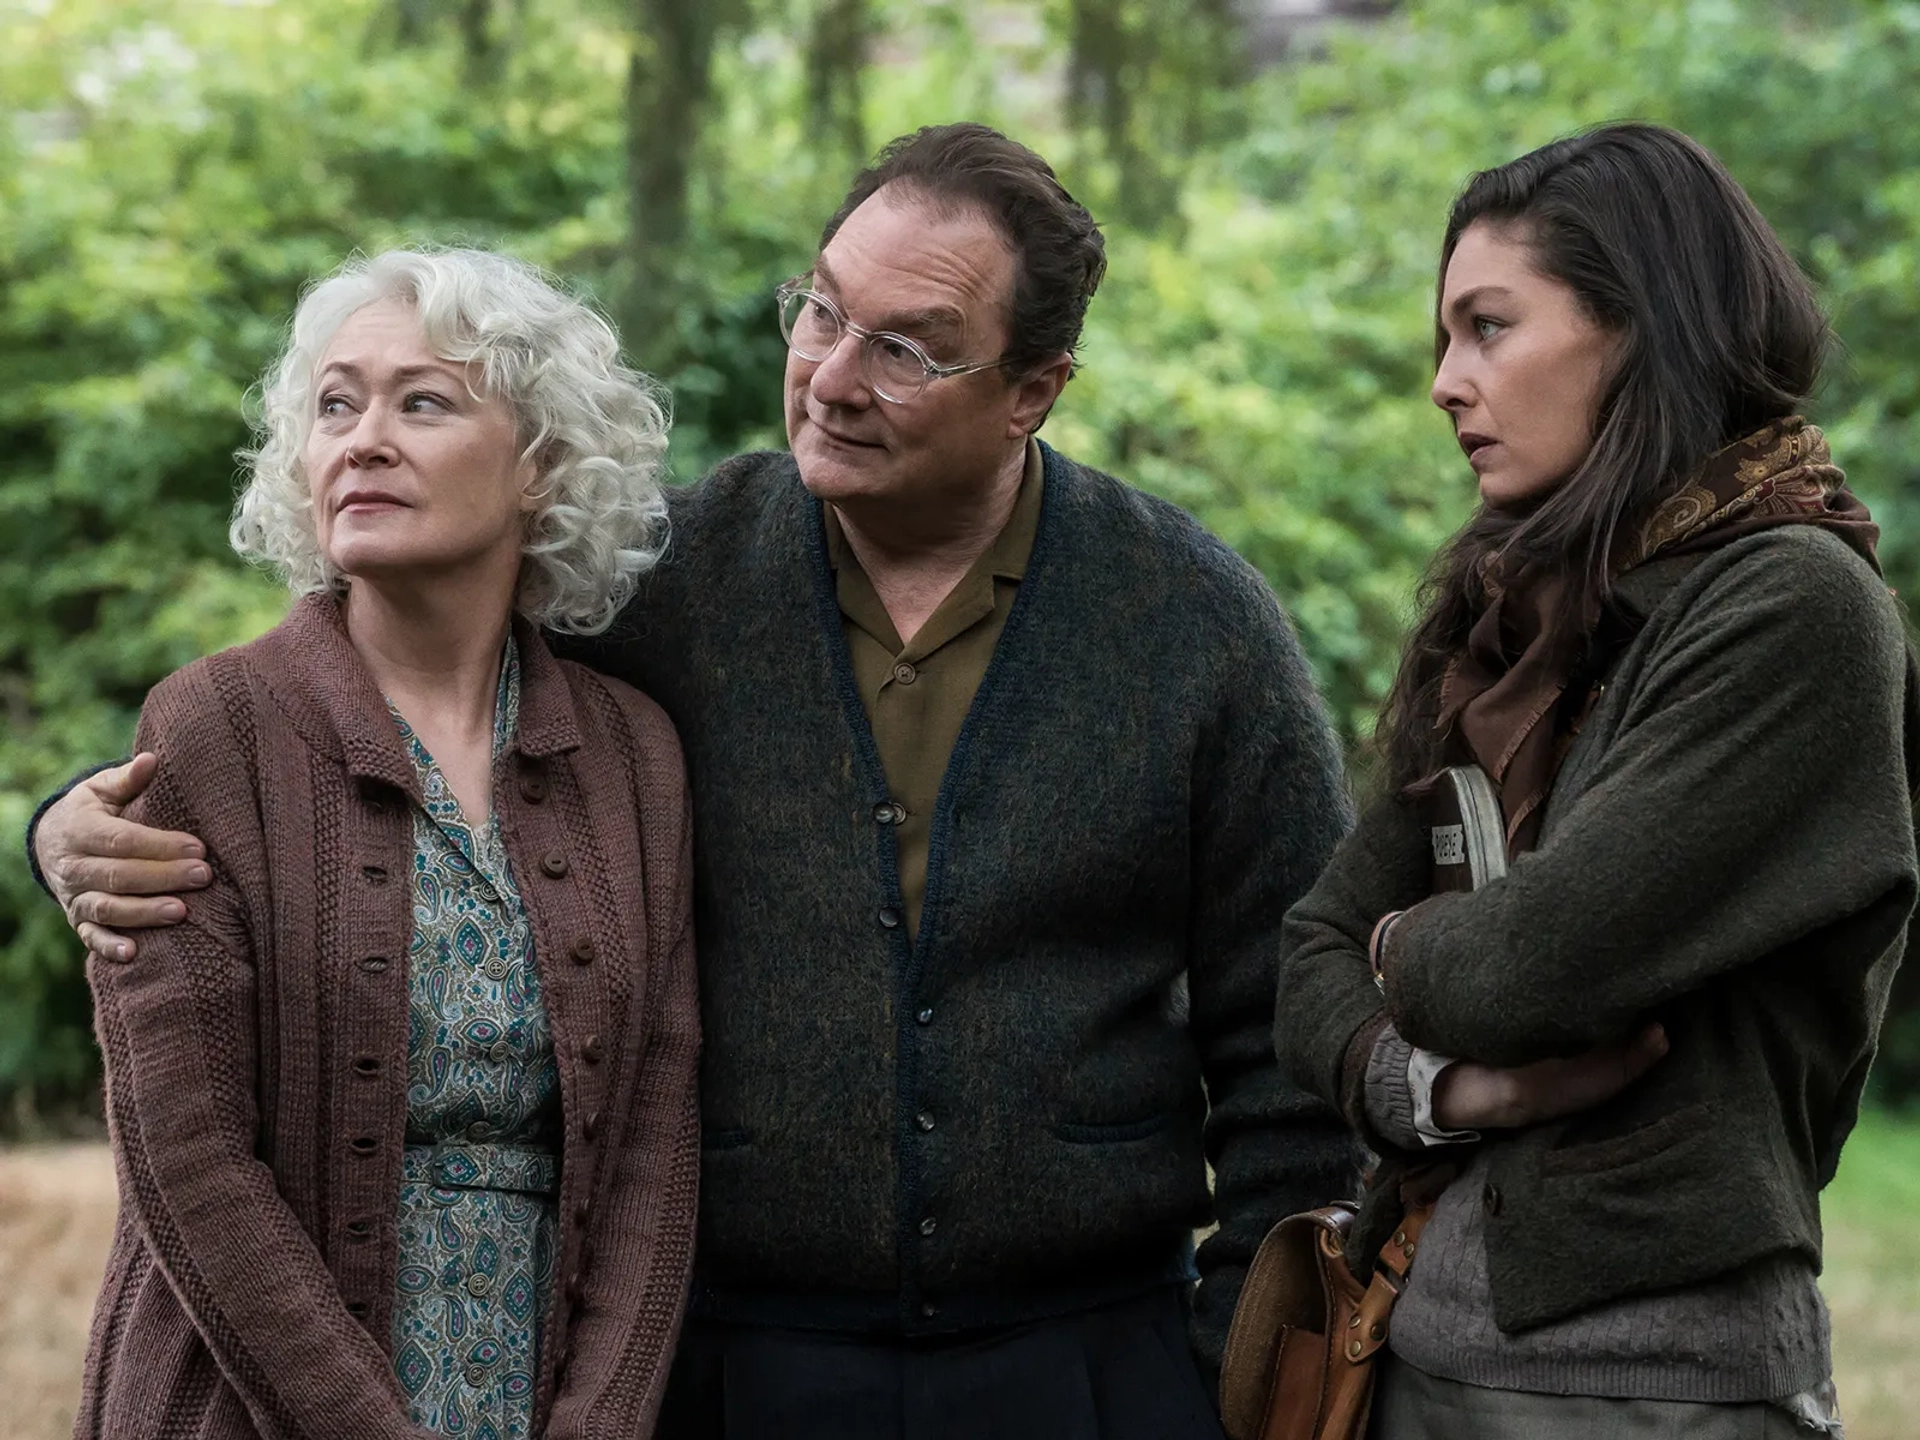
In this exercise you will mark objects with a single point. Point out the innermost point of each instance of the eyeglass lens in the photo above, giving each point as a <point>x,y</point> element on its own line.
<point>894,367</point>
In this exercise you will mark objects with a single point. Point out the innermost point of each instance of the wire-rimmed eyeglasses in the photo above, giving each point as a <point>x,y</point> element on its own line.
<point>895,368</point>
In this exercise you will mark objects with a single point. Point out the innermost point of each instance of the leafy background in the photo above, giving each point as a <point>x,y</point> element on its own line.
<point>172,171</point>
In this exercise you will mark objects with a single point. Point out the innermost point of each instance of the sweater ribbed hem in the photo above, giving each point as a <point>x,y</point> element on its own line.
<point>1756,1334</point>
<point>1771,1380</point>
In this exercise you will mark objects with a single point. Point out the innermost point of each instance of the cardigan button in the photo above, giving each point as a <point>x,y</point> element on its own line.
<point>593,1050</point>
<point>590,1127</point>
<point>582,952</point>
<point>1491,1200</point>
<point>373,964</point>
<point>923,1122</point>
<point>374,874</point>
<point>364,1145</point>
<point>890,812</point>
<point>359,1309</point>
<point>359,1229</point>
<point>533,787</point>
<point>366,1067</point>
<point>889,917</point>
<point>554,863</point>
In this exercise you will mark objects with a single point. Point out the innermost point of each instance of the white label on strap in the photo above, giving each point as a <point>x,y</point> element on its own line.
<point>1449,844</point>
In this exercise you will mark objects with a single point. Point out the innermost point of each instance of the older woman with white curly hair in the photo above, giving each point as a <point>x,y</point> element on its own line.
<point>404,1109</point>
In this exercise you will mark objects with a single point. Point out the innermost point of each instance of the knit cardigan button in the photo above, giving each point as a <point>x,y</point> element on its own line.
<point>593,1050</point>
<point>582,951</point>
<point>554,863</point>
<point>889,917</point>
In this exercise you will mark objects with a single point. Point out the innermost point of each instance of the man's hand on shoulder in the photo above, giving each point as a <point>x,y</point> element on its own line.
<point>106,870</point>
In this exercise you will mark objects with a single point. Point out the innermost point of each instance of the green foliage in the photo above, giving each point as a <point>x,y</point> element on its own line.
<point>172,172</point>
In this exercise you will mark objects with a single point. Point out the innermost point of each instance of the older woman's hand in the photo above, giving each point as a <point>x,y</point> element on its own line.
<point>1470,1096</point>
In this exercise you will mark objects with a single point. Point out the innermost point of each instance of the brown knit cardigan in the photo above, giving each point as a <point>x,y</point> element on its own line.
<point>257,1053</point>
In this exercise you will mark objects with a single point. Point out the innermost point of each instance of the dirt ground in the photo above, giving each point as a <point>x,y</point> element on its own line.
<point>56,1220</point>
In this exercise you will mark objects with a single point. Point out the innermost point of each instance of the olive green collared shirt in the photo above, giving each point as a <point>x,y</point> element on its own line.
<point>917,695</point>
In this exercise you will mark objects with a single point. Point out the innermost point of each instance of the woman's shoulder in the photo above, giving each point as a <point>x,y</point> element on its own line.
<point>614,714</point>
<point>1812,591</point>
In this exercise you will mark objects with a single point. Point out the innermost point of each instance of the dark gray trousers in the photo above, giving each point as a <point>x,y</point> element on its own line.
<point>1122,1371</point>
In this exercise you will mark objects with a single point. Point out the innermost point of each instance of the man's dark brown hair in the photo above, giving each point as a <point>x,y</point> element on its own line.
<point>1059,254</point>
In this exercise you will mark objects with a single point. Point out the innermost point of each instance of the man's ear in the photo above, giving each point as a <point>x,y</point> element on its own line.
<point>1034,395</point>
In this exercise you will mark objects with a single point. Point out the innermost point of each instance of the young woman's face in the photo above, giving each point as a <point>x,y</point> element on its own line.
<point>1524,370</point>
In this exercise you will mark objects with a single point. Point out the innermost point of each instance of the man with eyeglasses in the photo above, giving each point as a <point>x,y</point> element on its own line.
<point>1004,775</point>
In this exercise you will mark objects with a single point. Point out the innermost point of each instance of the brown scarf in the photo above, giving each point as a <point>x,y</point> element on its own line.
<point>1500,696</point>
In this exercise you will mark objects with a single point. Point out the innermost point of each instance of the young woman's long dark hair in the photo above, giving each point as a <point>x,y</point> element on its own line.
<point>1719,334</point>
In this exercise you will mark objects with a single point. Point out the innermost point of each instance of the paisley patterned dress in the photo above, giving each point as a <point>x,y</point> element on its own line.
<point>480,1171</point>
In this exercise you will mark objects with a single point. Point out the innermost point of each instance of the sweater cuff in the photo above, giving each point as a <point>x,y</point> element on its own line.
<point>33,822</point>
<point>1399,1094</point>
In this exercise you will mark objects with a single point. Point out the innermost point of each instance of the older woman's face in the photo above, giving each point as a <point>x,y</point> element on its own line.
<point>410,474</point>
<point>1525,367</point>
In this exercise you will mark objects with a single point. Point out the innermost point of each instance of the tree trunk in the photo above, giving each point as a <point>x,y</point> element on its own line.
<point>836,60</point>
<point>668,83</point>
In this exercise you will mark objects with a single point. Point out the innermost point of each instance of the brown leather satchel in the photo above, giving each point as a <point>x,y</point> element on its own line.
<point>1300,1353</point>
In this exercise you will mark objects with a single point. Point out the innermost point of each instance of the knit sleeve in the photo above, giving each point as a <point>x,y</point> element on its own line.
<point>1330,1014</point>
<point>177,1026</point>
<point>1751,802</point>
<point>643,1241</point>
<point>1269,805</point>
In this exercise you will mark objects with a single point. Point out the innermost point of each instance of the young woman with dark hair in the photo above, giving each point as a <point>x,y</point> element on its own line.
<point>1626,1049</point>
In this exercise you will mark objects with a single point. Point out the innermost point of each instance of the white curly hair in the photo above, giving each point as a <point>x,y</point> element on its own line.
<point>596,430</point>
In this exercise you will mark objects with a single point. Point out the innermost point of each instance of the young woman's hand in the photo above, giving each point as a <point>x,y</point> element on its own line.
<point>1470,1096</point>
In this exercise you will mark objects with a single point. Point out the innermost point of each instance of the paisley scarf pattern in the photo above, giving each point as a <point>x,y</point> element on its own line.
<point>1501,698</point>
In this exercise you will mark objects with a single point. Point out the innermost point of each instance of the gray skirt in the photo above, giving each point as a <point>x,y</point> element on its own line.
<point>1410,1404</point>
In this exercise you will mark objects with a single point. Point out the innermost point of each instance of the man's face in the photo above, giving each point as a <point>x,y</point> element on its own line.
<point>946,281</point>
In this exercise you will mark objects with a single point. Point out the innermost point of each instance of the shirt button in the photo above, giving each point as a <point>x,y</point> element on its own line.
<point>905,673</point>
<point>929,1225</point>
<point>554,863</point>
<point>500,1051</point>
<point>593,1050</point>
<point>925,1016</point>
<point>479,1132</point>
<point>924,1121</point>
<point>582,951</point>
<point>475,1376</point>
<point>496,967</point>
<point>479,1284</point>
<point>889,918</point>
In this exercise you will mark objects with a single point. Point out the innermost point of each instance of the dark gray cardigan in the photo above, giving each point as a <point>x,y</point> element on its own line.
<point>1729,849</point>
<point>1005,1116</point>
